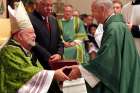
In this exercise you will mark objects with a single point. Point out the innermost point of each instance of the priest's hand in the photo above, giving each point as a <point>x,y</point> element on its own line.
<point>129,25</point>
<point>73,44</point>
<point>70,44</point>
<point>67,44</point>
<point>60,75</point>
<point>55,58</point>
<point>75,72</point>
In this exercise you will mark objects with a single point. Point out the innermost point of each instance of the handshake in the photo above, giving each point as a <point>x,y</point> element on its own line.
<point>67,73</point>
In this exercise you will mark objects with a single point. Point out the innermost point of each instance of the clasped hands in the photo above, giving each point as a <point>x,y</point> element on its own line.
<point>67,73</point>
<point>70,44</point>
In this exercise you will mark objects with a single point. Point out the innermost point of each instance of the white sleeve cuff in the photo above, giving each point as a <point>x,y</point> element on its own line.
<point>91,79</point>
<point>39,82</point>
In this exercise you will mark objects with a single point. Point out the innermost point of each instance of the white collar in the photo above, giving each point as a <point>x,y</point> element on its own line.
<point>63,19</point>
<point>26,51</point>
<point>109,17</point>
<point>45,18</point>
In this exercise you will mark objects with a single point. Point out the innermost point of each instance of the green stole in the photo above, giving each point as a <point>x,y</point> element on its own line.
<point>74,30</point>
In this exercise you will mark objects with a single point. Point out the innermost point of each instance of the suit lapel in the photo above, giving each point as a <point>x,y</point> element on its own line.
<point>39,21</point>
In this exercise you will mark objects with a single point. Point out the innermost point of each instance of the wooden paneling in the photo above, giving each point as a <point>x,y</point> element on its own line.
<point>3,8</point>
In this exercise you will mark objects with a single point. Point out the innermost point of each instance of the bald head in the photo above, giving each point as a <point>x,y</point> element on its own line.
<point>101,9</point>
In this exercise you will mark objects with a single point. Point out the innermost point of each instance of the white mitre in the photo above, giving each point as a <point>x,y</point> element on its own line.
<point>19,18</point>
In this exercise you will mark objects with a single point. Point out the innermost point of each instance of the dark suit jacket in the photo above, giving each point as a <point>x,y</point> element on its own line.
<point>50,41</point>
<point>135,31</point>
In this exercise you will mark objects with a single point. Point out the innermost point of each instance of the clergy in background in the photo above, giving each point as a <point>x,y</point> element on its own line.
<point>73,35</point>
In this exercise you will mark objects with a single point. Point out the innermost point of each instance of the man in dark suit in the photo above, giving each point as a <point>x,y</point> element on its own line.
<point>49,47</point>
<point>47,33</point>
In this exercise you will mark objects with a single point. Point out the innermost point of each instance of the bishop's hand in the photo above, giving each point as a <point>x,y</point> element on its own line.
<point>75,72</point>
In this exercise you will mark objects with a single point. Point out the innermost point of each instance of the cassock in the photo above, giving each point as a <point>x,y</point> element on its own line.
<point>117,64</point>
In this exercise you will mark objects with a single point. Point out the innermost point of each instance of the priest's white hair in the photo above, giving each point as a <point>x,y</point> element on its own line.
<point>107,3</point>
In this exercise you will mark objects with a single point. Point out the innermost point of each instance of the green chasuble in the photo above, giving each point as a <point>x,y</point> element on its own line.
<point>72,30</point>
<point>15,68</point>
<point>117,64</point>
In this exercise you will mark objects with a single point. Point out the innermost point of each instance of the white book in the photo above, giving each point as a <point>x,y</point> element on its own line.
<point>75,86</point>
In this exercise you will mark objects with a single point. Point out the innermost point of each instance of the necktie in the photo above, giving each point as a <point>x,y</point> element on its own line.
<point>47,24</point>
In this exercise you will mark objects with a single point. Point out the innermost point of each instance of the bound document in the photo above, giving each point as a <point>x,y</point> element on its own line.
<point>63,63</point>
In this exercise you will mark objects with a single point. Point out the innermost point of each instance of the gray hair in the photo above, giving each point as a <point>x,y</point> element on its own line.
<point>107,3</point>
<point>37,1</point>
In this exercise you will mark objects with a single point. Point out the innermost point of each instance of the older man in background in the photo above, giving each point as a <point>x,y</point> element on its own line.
<point>117,64</point>
<point>47,33</point>
<point>47,36</point>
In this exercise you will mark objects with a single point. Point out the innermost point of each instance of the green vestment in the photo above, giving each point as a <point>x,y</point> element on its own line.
<point>73,29</point>
<point>15,68</point>
<point>117,64</point>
